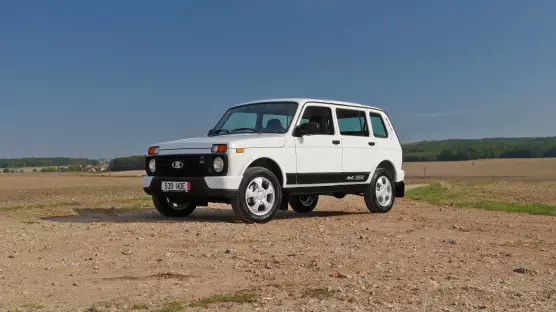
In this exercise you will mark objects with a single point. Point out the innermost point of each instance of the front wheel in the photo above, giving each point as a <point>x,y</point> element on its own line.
<point>172,208</point>
<point>380,194</point>
<point>258,197</point>
<point>304,203</point>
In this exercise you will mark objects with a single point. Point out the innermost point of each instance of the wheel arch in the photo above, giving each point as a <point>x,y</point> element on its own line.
<point>389,167</point>
<point>271,165</point>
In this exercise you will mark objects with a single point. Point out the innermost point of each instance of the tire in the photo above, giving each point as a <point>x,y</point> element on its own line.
<point>168,208</point>
<point>252,209</point>
<point>284,203</point>
<point>381,200</point>
<point>304,204</point>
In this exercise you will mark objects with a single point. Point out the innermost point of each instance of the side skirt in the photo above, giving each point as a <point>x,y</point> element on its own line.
<point>328,190</point>
<point>326,177</point>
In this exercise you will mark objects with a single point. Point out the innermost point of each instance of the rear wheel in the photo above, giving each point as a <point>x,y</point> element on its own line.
<point>380,194</point>
<point>303,203</point>
<point>258,197</point>
<point>171,207</point>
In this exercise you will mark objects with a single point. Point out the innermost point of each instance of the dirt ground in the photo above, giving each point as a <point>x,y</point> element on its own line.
<point>72,243</point>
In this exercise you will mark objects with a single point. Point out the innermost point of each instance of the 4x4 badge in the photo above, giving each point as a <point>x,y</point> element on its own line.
<point>177,164</point>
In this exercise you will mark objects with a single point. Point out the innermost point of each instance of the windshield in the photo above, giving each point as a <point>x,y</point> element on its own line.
<point>271,117</point>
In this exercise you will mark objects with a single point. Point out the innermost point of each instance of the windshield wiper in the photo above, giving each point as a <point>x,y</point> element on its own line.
<point>217,131</point>
<point>244,129</point>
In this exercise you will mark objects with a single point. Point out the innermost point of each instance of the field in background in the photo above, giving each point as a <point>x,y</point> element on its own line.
<point>527,168</point>
<point>511,185</point>
<point>93,242</point>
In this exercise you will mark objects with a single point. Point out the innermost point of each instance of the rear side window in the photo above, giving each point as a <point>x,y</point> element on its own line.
<point>352,122</point>
<point>379,128</point>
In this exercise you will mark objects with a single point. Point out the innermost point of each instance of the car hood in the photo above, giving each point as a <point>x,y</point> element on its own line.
<point>244,140</point>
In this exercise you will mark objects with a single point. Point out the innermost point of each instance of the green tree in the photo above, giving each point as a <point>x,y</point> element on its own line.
<point>458,149</point>
<point>127,163</point>
<point>49,169</point>
<point>45,162</point>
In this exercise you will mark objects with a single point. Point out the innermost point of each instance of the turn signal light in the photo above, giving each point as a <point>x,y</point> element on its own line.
<point>153,150</point>
<point>219,148</point>
<point>240,150</point>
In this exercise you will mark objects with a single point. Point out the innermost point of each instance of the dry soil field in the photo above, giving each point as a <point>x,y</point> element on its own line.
<point>77,243</point>
<point>509,169</point>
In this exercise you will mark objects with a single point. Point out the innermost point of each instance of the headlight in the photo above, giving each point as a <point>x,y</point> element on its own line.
<point>152,165</point>
<point>218,164</point>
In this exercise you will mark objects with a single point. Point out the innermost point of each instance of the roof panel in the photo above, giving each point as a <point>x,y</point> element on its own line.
<point>305,100</point>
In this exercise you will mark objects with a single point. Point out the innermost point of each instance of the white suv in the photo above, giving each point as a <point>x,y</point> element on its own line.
<point>263,155</point>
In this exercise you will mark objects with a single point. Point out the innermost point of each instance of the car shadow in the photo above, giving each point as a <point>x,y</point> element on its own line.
<point>201,214</point>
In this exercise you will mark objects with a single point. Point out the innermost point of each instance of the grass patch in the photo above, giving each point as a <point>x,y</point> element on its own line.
<point>318,293</point>
<point>138,202</point>
<point>434,194</point>
<point>140,306</point>
<point>532,208</point>
<point>32,306</point>
<point>144,198</point>
<point>173,306</point>
<point>236,298</point>
<point>440,195</point>
<point>41,206</point>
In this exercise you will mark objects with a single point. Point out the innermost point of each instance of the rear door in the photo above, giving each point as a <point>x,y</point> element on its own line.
<point>318,156</point>
<point>358,147</point>
<point>387,144</point>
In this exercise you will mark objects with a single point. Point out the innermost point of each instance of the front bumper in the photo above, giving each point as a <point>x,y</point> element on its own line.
<point>202,188</point>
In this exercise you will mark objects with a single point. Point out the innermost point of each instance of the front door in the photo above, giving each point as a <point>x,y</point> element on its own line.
<point>359,148</point>
<point>318,156</point>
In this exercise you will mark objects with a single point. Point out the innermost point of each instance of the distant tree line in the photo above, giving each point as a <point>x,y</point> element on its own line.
<point>127,163</point>
<point>46,162</point>
<point>446,150</point>
<point>471,149</point>
<point>75,168</point>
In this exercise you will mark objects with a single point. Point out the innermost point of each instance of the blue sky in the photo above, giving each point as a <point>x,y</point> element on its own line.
<point>107,78</point>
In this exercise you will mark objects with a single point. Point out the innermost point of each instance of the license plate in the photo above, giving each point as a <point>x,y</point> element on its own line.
<point>175,186</point>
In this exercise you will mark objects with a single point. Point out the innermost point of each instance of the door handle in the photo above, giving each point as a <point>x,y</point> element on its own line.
<point>336,142</point>
<point>372,143</point>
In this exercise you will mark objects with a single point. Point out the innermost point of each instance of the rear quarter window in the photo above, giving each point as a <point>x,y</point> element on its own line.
<point>377,123</point>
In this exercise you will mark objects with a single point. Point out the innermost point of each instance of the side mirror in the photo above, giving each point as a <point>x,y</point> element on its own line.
<point>307,129</point>
<point>210,132</point>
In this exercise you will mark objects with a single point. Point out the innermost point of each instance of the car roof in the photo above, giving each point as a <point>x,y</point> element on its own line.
<point>305,100</point>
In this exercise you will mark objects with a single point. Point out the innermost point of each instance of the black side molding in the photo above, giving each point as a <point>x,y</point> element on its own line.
<point>326,177</point>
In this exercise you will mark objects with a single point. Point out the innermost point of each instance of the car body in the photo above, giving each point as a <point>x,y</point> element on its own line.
<point>300,148</point>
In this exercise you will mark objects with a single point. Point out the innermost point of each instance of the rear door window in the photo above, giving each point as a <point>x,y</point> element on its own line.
<point>352,122</point>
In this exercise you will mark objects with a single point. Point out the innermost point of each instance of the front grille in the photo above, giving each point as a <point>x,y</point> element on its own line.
<point>193,166</point>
